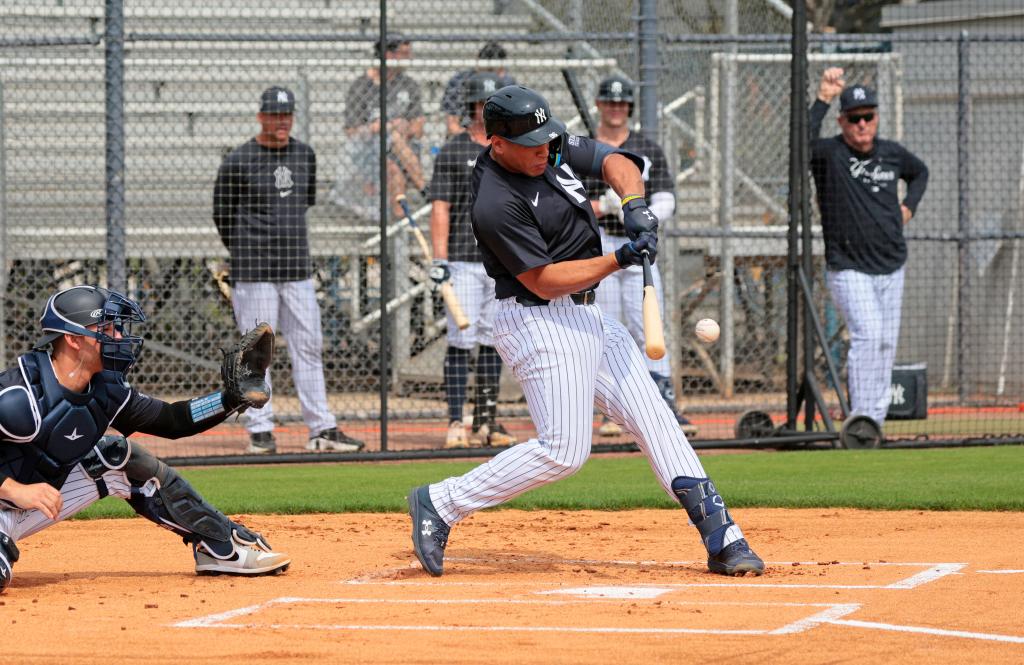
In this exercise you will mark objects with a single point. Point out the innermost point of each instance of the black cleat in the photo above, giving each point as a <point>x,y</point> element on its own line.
<point>429,532</point>
<point>736,559</point>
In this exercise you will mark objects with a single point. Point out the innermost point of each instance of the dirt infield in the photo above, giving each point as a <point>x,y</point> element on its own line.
<point>532,587</point>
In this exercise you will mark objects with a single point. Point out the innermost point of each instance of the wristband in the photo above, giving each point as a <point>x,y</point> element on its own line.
<point>629,198</point>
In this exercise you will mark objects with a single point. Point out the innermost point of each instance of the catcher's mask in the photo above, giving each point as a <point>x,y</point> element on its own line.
<point>70,311</point>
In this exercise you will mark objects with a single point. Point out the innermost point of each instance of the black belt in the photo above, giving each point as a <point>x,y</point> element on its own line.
<point>581,298</point>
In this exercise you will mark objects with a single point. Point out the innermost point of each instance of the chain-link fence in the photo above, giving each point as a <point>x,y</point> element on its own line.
<point>217,213</point>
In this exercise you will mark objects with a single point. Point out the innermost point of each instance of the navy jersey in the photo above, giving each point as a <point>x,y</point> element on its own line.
<point>524,222</point>
<point>657,176</point>
<point>452,183</point>
<point>857,194</point>
<point>259,206</point>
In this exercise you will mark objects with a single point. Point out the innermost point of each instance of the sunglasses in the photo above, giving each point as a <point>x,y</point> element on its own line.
<point>855,118</point>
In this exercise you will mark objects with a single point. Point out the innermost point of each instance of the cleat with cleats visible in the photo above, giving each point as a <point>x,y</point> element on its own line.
<point>261,443</point>
<point>245,559</point>
<point>429,531</point>
<point>736,559</point>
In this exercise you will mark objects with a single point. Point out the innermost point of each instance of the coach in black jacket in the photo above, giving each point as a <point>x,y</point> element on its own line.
<point>264,188</point>
<point>856,175</point>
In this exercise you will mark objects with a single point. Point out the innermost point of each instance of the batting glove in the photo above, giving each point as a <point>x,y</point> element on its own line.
<point>632,253</point>
<point>638,218</point>
<point>439,273</point>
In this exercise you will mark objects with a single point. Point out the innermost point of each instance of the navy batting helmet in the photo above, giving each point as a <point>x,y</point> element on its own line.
<point>616,89</point>
<point>521,116</point>
<point>71,311</point>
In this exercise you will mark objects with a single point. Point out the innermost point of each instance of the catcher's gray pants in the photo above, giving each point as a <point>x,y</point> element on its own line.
<point>620,296</point>
<point>78,492</point>
<point>871,306</point>
<point>291,309</point>
<point>566,357</point>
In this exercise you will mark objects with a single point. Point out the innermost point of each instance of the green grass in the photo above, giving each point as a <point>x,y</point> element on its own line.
<point>940,479</point>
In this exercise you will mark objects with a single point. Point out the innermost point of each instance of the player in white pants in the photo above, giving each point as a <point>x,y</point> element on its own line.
<point>617,296</point>
<point>539,240</point>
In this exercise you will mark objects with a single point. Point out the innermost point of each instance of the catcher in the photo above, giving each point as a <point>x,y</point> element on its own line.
<point>57,403</point>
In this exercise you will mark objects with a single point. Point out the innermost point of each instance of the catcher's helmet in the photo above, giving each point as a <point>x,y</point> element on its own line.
<point>521,116</point>
<point>70,311</point>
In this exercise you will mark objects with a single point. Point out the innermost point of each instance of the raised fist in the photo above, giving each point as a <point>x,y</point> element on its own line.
<point>832,84</point>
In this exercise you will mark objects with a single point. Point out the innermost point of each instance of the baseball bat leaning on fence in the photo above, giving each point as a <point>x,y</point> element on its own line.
<point>577,99</point>
<point>447,292</point>
<point>654,336</point>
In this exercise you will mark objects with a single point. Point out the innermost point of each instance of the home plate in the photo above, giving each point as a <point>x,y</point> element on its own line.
<point>622,592</point>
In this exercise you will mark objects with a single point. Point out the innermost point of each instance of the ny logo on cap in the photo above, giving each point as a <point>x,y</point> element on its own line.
<point>858,93</point>
<point>282,96</point>
<point>541,115</point>
<point>489,85</point>
<point>616,87</point>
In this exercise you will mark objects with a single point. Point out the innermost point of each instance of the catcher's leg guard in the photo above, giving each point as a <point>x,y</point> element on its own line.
<point>162,496</point>
<point>8,555</point>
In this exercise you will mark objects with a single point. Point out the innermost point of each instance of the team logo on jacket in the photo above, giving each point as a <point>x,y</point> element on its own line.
<point>283,178</point>
<point>873,175</point>
<point>571,184</point>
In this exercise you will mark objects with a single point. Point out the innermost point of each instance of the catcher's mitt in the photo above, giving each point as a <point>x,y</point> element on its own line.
<point>244,368</point>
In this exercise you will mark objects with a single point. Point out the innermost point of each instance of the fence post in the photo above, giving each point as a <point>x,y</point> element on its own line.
<point>963,140</point>
<point>797,134</point>
<point>113,41</point>
<point>385,267</point>
<point>649,68</point>
<point>725,210</point>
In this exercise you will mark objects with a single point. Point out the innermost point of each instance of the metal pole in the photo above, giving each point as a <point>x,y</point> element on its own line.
<point>963,139</point>
<point>113,39</point>
<point>725,210</point>
<point>303,114</point>
<point>797,136</point>
<point>649,67</point>
<point>3,231</point>
<point>385,275</point>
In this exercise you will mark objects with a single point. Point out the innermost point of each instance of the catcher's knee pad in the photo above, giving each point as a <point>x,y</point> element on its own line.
<point>8,555</point>
<point>707,511</point>
<point>111,453</point>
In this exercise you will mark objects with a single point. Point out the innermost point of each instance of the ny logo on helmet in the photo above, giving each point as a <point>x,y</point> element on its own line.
<point>489,85</point>
<point>541,115</point>
<point>616,87</point>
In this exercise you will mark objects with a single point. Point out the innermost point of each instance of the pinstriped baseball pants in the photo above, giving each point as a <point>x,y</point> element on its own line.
<point>568,357</point>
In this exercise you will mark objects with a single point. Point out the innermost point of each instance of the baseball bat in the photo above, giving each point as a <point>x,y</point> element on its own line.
<point>654,335</point>
<point>220,278</point>
<point>447,292</point>
<point>577,99</point>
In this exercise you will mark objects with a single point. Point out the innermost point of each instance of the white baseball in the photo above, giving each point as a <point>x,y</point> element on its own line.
<point>707,330</point>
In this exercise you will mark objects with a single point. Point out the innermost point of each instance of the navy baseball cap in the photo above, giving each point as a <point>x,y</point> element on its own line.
<point>857,96</point>
<point>277,100</point>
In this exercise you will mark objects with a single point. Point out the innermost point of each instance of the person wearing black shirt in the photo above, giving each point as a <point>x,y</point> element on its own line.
<point>263,190</point>
<point>457,258</point>
<point>856,176</point>
<point>454,106</point>
<point>56,404</point>
<point>540,243</point>
<point>617,295</point>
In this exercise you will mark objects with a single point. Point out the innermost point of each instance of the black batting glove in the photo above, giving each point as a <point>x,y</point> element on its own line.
<point>439,273</point>
<point>632,253</point>
<point>638,218</point>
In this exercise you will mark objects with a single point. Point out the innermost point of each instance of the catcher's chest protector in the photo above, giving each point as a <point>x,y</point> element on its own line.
<point>67,424</point>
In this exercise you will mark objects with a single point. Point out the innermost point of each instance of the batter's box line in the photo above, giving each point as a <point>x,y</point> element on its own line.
<point>830,614</point>
<point>932,572</point>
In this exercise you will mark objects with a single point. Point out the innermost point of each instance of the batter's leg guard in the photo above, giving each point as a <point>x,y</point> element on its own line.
<point>219,545</point>
<point>8,555</point>
<point>728,551</point>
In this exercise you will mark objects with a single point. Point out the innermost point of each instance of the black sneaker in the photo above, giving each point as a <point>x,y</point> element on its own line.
<point>334,441</point>
<point>261,443</point>
<point>429,531</point>
<point>736,559</point>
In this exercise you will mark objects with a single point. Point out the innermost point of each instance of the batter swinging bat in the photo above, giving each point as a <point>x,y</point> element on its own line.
<point>654,336</point>
<point>447,292</point>
<point>577,99</point>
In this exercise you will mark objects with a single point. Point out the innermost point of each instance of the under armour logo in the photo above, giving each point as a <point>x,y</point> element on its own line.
<point>74,436</point>
<point>541,116</point>
<point>427,528</point>
<point>282,96</point>
<point>650,215</point>
<point>858,93</point>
